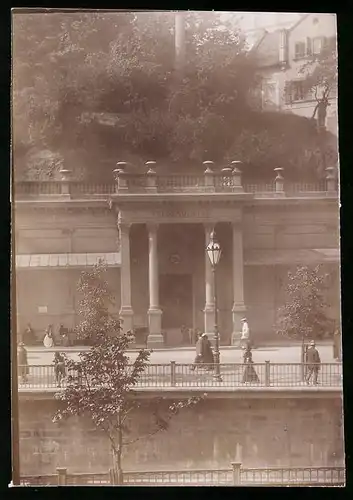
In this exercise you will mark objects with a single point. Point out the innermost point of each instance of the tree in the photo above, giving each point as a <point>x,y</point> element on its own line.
<point>101,386</point>
<point>94,88</point>
<point>95,305</point>
<point>304,313</point>
<point>321,71</point>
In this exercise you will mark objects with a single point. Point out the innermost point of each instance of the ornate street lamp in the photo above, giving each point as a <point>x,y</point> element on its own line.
<point>214,252</point>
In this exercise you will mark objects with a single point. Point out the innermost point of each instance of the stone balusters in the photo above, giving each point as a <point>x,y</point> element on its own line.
<point>119,173</point>
<point>209,175</point>
<point>279,182</point>
<point>330,180</point>
<point>151,181</point>
<point>65,181</point>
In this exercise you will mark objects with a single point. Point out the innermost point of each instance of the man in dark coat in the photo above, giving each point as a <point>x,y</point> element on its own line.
<point>313,363</point>
<point>198,357</point>
<point>23,368</point>
<point>207,353</point>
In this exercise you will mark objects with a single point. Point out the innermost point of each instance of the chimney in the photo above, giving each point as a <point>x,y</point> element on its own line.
<point>283,47</point>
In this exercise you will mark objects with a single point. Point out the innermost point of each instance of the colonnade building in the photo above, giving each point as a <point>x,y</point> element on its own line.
<point>152,231</point>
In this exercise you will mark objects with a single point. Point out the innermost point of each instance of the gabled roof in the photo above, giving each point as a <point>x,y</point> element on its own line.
<point>267,49</point>
<point>304,16</point>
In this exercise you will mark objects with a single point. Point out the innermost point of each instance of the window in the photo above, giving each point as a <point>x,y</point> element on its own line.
<point>298,93</point>
<point>309,48</point>
<point>299,50</point>
<point>318,44</point>
<point>294,91</point>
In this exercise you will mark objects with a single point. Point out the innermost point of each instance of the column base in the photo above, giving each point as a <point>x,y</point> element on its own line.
<point>155,337</point>
<point>127,315</point>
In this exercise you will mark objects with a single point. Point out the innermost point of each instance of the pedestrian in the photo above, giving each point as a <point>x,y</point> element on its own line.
<point>48,339</point>
<point>206,352</point>
<point>245,333</point>
<point>23,369</point>
<point>184,334</point>
<point>198,357</point>
<point>337,345</point>
<point>28,336</point>
<point>59,367</point>
<point>63,335</point>
<point>249,374</point>
<point>313,363</point>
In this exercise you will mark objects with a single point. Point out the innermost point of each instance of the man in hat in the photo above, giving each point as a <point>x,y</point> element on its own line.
<point>313,363</point>
<point>245,333</point>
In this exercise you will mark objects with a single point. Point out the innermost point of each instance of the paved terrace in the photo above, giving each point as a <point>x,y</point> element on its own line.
<point>228,180</point>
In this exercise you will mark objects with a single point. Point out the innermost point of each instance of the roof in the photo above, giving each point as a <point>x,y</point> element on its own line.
<point>59,260</point>
<point>289,257</point>
<point>267,49</point>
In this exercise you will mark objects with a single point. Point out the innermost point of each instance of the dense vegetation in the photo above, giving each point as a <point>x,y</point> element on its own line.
<point>90,89</point>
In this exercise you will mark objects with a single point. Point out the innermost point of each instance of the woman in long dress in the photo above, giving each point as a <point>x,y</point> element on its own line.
<point>48,339</point>
<point>250,374</point>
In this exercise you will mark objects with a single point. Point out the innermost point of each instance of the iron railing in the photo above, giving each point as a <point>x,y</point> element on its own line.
<point>234,375</point>
<point>235,475</point>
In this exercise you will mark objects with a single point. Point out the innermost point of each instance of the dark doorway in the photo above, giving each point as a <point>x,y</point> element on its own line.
<point>176,301</point>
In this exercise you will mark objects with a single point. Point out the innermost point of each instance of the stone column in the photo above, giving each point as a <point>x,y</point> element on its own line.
<point>155,337</point>
<point>209,311</point>
<point>126,312</point>
<point>239,309</point>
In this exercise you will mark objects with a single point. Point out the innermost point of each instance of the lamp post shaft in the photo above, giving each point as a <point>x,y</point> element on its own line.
<point>217,372</point>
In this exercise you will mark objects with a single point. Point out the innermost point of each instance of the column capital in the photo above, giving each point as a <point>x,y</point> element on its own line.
<point>152,227</point>
<point>209,226</point>
<point>124,227</point>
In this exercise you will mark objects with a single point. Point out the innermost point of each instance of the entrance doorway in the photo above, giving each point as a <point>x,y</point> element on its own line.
<point>176,300</point>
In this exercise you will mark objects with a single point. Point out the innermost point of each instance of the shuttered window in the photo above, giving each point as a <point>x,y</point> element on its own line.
<point>299,50</point>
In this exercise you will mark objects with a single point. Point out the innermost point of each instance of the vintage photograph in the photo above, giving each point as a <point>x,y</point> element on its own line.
<point>176,315</point>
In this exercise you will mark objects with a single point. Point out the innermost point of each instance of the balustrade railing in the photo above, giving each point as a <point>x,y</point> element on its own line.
<point>234,375</point>
<point>236,475</point>
<point>180,182</point>
<point>168,183</point>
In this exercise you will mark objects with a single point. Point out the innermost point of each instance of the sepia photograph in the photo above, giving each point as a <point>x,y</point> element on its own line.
<point>176,279</point>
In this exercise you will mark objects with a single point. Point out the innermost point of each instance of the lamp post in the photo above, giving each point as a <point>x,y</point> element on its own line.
<point>214,252</point>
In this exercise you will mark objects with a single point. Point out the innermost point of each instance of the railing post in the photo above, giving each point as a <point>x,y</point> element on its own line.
<point>330,180</point>
<point>65,181</point>
<point>173,373</point>
<point>62,476</point>
<point>279,181</point>
<point>119,177</point>
<point>267,373</point>
<point>151,185</point>
<point>209,175</point>
<point>236,468</point>
<point>236,172</point>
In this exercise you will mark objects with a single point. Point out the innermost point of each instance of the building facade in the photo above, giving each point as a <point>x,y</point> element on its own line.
<point>281,55</point>
<point>152,231</point>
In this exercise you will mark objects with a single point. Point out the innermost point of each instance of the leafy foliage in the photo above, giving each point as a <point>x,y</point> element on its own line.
<point>94,88</point>
<point>304,312</point>
<point>94,307</point>
<point>100,384</point>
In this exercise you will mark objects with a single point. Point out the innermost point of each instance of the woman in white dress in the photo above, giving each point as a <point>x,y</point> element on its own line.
<point>48,339</point>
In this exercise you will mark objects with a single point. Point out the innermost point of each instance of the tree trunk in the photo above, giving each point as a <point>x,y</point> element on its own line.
<point>117,473</point>
<point>302,360</point>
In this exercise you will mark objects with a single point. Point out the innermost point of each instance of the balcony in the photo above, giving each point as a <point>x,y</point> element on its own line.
<point>229,180</point>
